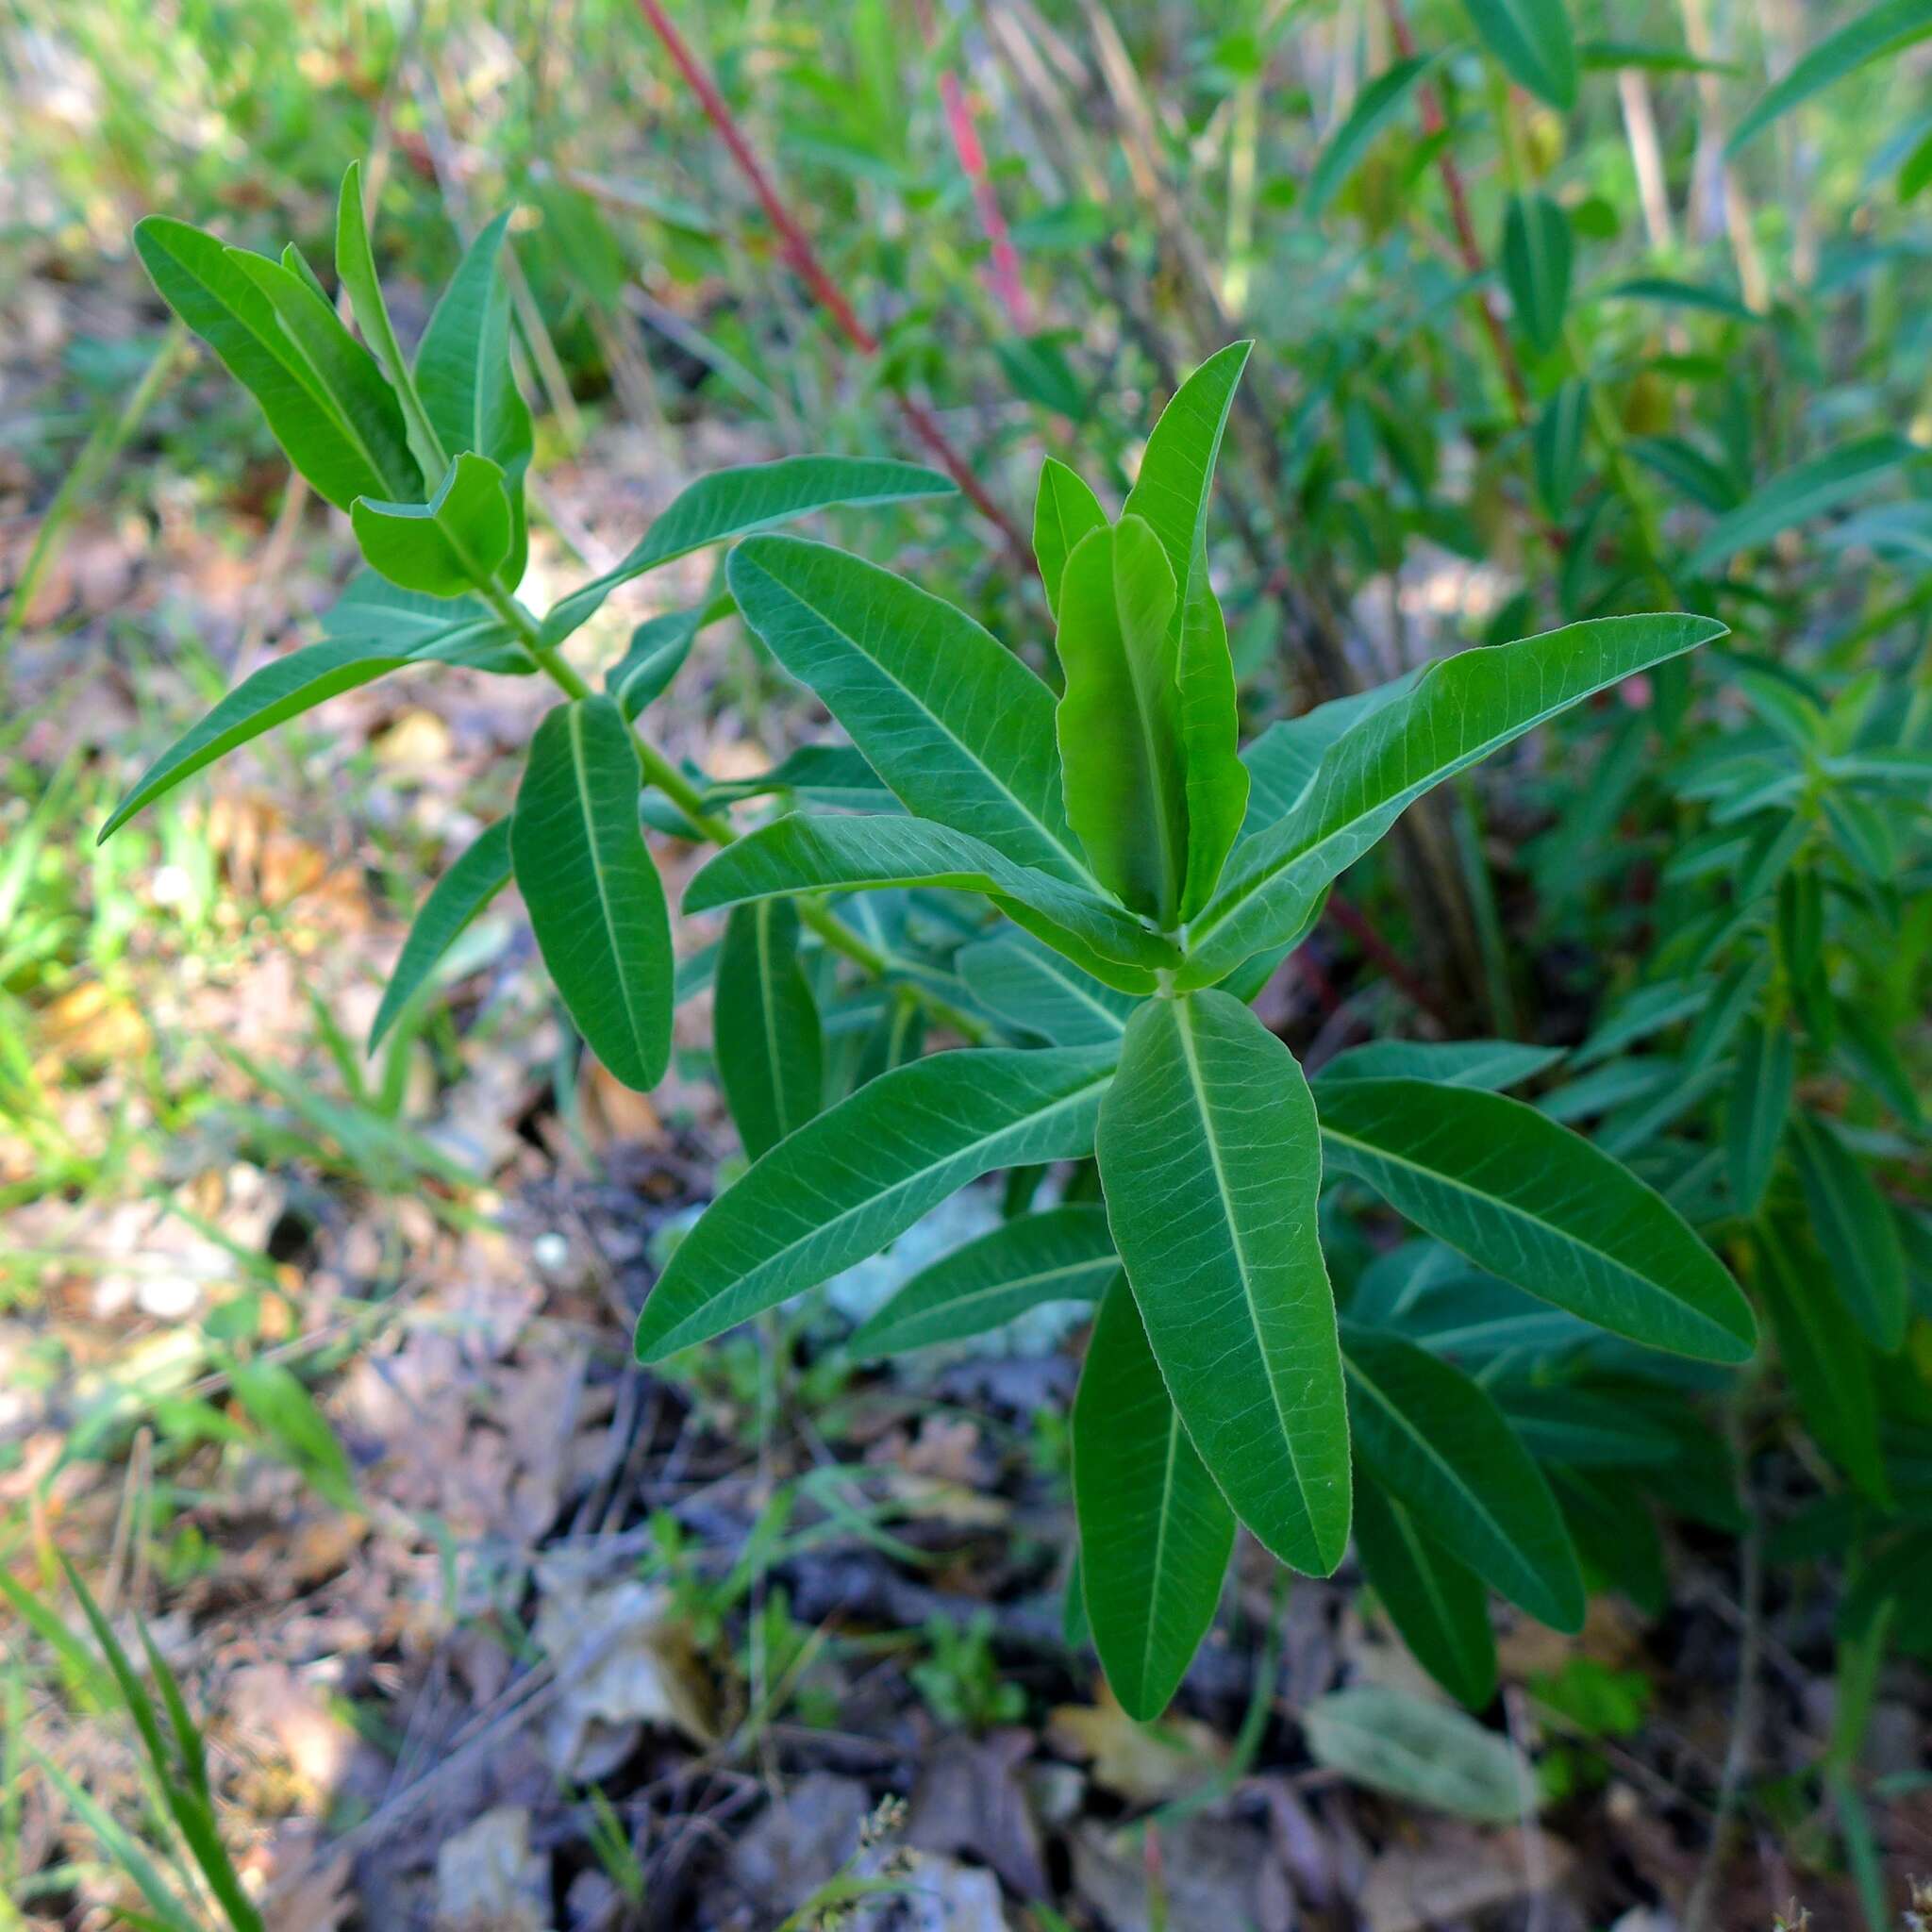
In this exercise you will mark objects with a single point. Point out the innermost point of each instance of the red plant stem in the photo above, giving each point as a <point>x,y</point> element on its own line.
<point>1364,932</point>
<point>1004,271</point>
<point>1467,245</point>
<point>797,249</point>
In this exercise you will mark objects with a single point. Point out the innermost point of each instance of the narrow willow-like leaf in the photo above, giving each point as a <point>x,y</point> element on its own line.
<point>1437,1605</point>
<point>454,544</point>
<point>1024,983</point>
<point>1826,1357</point>
<point>457,897</point>
<point>1420,1751</point>
<point>1211,1163</point>
<point>1154,1532</point>
<point>1492,1064</point>
<point>1759,1101</point>
<point>595,898</point>
<point>733,503</point>
<point>1854,1229</point>
<point>1060,1254</point>
<point>1533,41</point>
<point>466,379</point>
<point>1806,490</point>
<point>1540,1206</point>
<point>278,690</point>
<point>1536,250</point>
<point>1375,106</point>
<point>863,1171</point>
<point>1171,494</point>
<point>1284,759</point>
<point>1119,722</point>
<point>426,630</point>
<point>223,304</point>
<point>355,267</point>
<point>1459,711</point>
<point>944,713</point>
<point>1436,1442</point>
<point>1064,510</point>
<point>770,1048</point>
<point>1887,28</point>
<point>808,852</point>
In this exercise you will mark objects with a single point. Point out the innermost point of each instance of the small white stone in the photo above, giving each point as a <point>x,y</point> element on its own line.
<point>551,1252</point>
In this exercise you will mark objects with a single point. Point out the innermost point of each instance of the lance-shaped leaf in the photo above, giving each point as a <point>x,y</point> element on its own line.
<point>1212,1163</point>
<point>1494,1064</point>
<point>1540,1206</point>
<point>770,1046</point>
<point>1533,41</point>
<point>455,542</point>
<point>1119,721</point>
<point>467,382</point>
<point>1806,490</point>
<point>1760,1099</point>
<point>1855,1230</point>
<point>1536,250</point>
<point>948,717</point>
<point>1171,494</point>
<point>1887,28</point>
<point>846,1183</point>
<point>1064,510</point>
<point>1826,1358</point>
<point>1436,1442</point>
<point>428,630</point>
<point>344,452</point>
<point>595,898</point>
<point>754,496</point>
<point>1061,1253</point>
<point>457,897</point>
<point>1376,108</point>
<point>1154,1532</point>
<point>355,267</point>
<point>1437,1603</point>
<point>1283,759</point>
<point>1025,984</point>
<point>809,853</point>
<point>1459,711</point>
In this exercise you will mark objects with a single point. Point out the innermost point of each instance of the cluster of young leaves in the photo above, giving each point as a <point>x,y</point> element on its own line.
<point>1152,874</point>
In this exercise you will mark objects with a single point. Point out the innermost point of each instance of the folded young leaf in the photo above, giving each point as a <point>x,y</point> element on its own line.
<point>1119,720</point>
<point>457,897</point>
<point>1171,494</point>
<point>1064,510</point>
<point>1154,1532</point>
<point>1540,1206</point>
<point>1437,1603</point>
<point>1024,983</point>
<point>209,288</point>
<point>467,382</point>
<point>454,544</point>
<point>944,713</point>
<point>1492,1064</point>
<point>863,1171</point>
<point>1058,1255</point>
<point>1436,1442</point>
<point>1459,711</point>
<point>1211,1163</point>
<point>1854,1229</point>
<point>1759,1103</point>
<point>808,852</point>
<point>770,1047</point>
<point>595,898</point>
<point>754,496</point>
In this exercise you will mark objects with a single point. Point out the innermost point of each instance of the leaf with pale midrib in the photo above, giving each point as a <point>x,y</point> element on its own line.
<point>766,1034</point>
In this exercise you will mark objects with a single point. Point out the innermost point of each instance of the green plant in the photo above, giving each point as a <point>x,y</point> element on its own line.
<point>1087,888</point>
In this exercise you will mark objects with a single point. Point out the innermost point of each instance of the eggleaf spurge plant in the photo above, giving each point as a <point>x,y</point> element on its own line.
<point>1151,875</point>
<point>1142,876</point>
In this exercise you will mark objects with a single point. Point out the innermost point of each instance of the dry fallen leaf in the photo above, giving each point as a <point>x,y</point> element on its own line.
<point>489,1880</point>
<point>1456,1874</point>
<point>1144,1763</point>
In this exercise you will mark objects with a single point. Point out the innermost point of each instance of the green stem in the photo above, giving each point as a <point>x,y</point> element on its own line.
<point>660,771</point>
